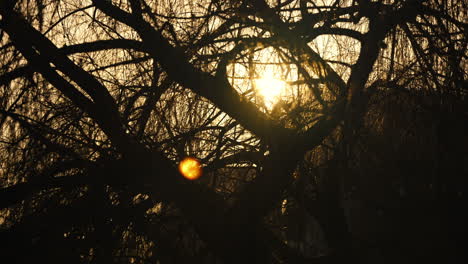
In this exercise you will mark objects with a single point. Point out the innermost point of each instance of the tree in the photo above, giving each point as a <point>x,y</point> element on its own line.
<point>101,100</point>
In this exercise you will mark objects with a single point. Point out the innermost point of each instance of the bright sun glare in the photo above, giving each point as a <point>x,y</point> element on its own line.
<point>190,168</point>
<point>270,88</point>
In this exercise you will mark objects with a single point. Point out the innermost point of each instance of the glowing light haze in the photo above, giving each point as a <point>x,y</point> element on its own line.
<point>270,88</point>
<point>190,168</point>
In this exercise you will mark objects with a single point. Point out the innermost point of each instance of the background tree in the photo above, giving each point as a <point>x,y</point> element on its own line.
<point>329,131</point>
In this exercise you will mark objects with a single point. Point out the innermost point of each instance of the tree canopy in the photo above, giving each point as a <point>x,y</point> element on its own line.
<point>326,131</point>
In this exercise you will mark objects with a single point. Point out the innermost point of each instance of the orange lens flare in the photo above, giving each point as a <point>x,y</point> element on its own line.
<point>190,168</point>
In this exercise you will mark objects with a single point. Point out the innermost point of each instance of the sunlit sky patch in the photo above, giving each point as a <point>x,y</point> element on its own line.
<point>270,88</point>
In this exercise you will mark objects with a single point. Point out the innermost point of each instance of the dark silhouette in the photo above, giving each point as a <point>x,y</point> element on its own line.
<point>355,149</point>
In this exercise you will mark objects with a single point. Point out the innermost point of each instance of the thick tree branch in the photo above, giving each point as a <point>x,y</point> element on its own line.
<point>41,52</point>
<point>217,90</point>
<point>98,45</point>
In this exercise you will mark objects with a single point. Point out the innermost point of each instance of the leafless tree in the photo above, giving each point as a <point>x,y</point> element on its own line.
<point>102,99</point>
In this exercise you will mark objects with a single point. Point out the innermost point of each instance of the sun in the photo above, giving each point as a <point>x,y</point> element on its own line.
<point>270,89</point>
<point>190,168</point>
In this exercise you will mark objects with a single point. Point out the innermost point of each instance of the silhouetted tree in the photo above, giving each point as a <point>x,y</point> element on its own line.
<point>360,158</point>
